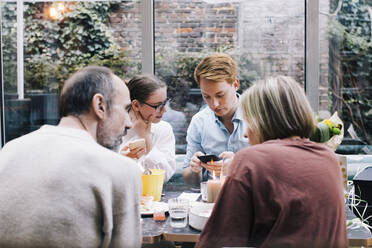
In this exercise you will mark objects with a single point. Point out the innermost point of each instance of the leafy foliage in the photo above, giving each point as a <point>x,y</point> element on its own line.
<point>177,71</point>
<point>53,49</point>
<point>350,65</point>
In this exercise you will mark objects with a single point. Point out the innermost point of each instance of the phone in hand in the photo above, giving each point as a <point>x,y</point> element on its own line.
<point>208,158</point>
<point>139,143</point>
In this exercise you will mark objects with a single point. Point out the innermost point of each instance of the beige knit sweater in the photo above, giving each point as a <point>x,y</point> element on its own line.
<point>59,188</point>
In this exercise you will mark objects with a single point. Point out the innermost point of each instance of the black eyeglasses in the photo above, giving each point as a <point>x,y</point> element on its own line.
<point>158,107</point>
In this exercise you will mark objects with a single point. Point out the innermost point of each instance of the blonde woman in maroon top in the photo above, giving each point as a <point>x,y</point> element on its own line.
<point>284,190</point>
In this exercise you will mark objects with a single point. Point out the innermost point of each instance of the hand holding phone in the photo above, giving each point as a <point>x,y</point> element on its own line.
<point>208,158</point>
<point>139,143</point>
<point>214,167</point>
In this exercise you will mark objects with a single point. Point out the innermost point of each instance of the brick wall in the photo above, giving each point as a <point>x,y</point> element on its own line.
<point>271,32</point>
<point>193,26</point>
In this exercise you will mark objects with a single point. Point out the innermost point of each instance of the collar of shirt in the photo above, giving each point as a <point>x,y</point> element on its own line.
<point>237,117</point>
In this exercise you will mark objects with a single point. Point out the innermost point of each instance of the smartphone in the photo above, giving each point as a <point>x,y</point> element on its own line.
<point>208,158</point>
<point>137,143</point>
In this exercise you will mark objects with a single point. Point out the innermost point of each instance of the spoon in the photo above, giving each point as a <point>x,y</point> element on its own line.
<point>145,169</point>
<point>147,172</point>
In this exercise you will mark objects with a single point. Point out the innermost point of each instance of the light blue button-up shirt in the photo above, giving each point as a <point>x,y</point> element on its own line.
<point>206,133</point>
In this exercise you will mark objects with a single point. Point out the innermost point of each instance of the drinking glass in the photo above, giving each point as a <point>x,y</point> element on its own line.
<point>178,212</point>
<point>203,191</point>
<point>159,214</point>
<point>225,168</point>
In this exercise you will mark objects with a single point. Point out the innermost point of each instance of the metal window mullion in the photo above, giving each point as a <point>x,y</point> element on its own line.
<point>147,12</point>
<point>20,79</point>
<point>312,53</point>
<point>2,102</point>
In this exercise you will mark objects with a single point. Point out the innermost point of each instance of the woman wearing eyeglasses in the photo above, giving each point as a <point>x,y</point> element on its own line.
<point>149,97</point>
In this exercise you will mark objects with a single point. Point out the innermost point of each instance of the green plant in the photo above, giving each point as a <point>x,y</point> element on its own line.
<point>350,61</point>
<point>177,71</point>
<point>56,48</point>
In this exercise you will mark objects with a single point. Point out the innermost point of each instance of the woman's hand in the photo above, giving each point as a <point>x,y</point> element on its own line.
<point>134,153</point>
<point>141,126</point>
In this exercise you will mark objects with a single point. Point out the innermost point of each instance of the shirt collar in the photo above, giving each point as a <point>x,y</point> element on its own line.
<point>238,115</point>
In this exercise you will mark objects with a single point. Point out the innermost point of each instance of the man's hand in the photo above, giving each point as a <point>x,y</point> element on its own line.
<point>227,155</point>
<point>227,158</point>
<point>195,163</point>
<point>214,166</point>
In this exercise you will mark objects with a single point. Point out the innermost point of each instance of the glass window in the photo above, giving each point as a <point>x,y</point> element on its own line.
<point>58,38</point>
<point>264,37</point>
<point>345,70</point>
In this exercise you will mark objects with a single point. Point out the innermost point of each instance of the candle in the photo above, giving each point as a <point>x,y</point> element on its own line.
<point>213,188</point>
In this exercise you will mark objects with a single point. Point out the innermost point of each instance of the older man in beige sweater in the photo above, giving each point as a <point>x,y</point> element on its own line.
<point>60,186</point>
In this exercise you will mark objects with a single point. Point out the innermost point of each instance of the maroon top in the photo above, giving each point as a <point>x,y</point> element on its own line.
<point>282,193</point>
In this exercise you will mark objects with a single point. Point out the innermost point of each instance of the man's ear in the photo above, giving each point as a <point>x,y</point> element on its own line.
<point>99,105</point>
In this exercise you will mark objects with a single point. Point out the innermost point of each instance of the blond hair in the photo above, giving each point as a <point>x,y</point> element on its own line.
<point>277,108</point>
<point>217,67</point>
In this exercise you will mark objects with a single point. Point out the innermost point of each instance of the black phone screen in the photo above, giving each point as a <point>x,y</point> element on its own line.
<point>208,158</point>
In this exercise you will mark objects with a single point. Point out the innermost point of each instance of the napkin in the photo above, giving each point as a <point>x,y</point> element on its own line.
<point>189,196</point>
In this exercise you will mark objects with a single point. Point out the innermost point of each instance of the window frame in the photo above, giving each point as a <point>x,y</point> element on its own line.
<point>312,48</point>
<point>2,109</point>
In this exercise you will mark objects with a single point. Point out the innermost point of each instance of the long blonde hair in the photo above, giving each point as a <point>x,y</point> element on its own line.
<point>277,108</point>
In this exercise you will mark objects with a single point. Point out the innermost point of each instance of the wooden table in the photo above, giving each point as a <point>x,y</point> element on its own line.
<point>155,231</point>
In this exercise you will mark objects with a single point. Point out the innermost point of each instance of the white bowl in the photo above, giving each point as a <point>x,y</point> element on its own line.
<point>199,215</point>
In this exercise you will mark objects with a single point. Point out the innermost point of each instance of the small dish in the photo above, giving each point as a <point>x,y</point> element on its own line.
<point>199,214</point>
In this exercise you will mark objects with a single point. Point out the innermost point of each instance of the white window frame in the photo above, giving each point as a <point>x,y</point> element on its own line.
<point>312,44</point>
<point>148,49</point>
<point>2,102</point>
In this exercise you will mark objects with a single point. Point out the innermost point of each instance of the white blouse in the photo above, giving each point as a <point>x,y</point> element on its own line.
<point>163,152</point>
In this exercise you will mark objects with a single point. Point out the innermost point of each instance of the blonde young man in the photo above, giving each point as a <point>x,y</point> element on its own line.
<point>219,128</point>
